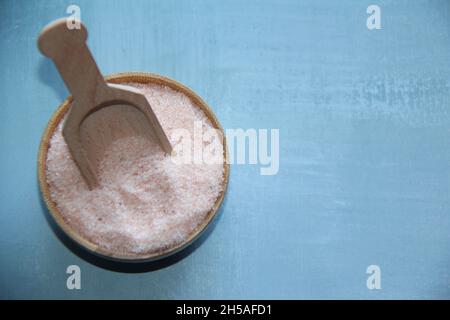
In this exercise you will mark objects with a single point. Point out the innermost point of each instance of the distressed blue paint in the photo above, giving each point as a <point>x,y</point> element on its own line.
<point>364,123</point>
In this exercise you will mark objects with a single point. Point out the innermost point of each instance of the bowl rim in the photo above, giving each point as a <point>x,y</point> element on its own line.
<point>118,78</point>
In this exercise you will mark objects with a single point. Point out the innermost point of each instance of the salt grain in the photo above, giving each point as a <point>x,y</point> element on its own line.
<point>146,202</point>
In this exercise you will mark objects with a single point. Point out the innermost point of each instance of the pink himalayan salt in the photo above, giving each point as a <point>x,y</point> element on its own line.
<point>146,202</point>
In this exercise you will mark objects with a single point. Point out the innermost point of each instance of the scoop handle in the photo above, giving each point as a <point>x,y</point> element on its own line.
<point>75,63</point>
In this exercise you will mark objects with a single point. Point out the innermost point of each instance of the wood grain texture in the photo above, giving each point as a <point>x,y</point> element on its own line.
<point>364,145</point>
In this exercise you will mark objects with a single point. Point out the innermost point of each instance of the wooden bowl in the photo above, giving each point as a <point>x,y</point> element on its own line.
<point>143,78</point>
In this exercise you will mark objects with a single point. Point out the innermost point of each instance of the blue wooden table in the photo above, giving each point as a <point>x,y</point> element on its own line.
<point>364,120</point>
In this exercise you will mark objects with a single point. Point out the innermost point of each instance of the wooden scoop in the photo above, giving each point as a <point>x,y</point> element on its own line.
<point>68,50</point>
